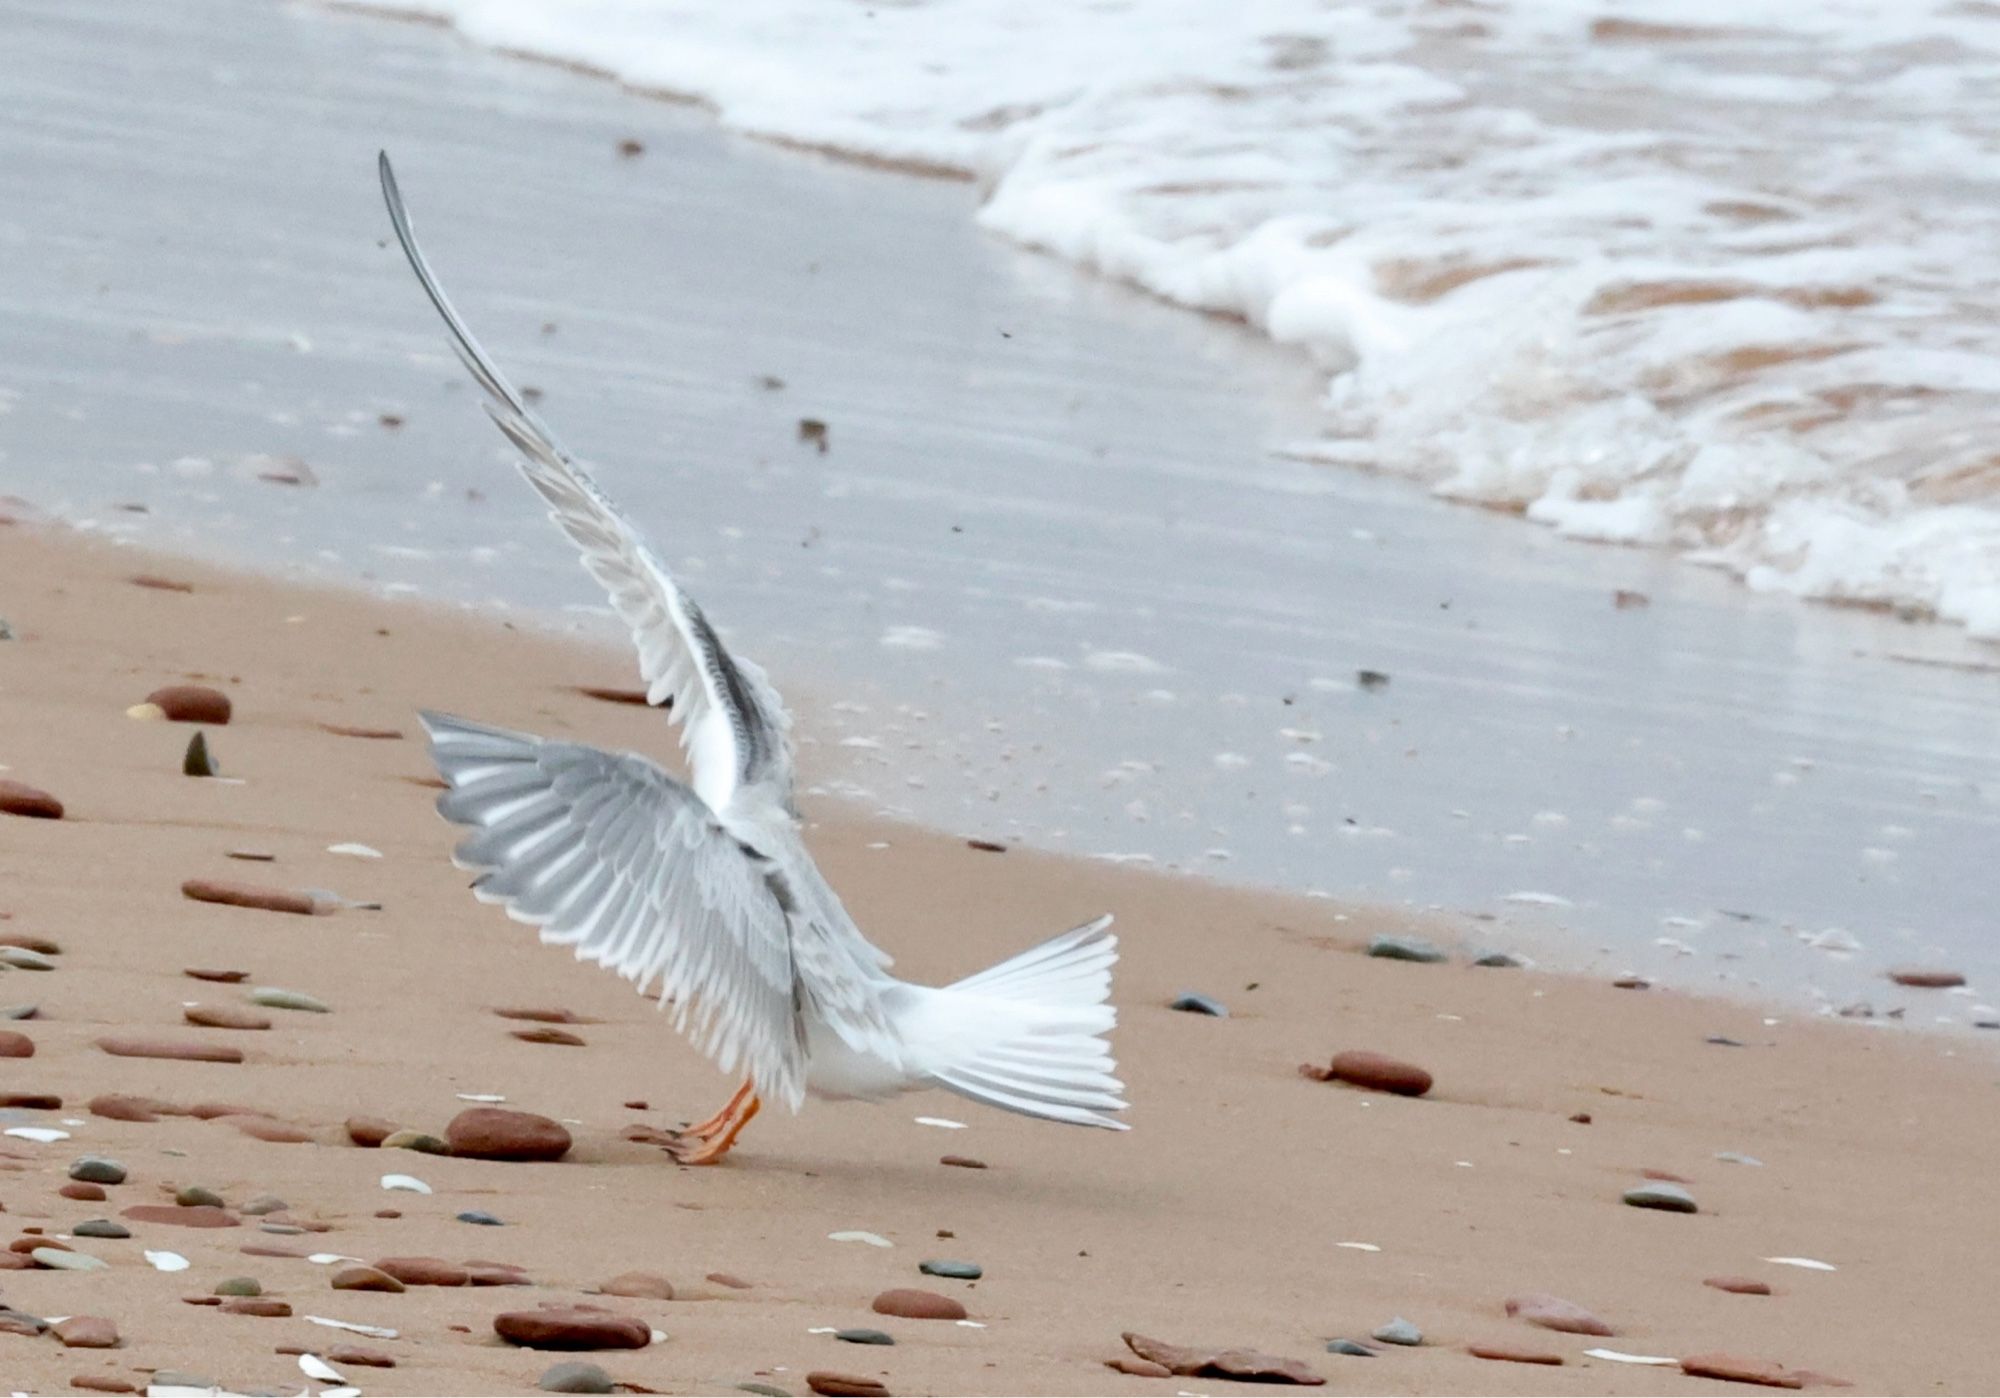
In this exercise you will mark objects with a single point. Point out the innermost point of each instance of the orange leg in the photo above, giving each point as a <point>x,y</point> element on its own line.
<point>720,1120</point>
<point>713,1147</point>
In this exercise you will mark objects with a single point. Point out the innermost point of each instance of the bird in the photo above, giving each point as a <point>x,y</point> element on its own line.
<point>705,887</point>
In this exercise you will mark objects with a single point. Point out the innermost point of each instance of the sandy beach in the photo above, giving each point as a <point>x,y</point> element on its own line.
<point>1226,1217</point>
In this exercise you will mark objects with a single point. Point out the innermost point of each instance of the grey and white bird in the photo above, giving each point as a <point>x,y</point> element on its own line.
<point>705,888</point>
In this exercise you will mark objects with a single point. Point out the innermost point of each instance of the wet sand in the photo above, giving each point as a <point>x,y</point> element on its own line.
<point>1216,1220</point>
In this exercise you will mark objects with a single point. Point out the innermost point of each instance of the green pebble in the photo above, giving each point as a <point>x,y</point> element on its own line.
<point>239,1286</point>
<point>192,1195</point>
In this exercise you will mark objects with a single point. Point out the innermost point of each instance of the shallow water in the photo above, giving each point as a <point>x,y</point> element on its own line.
<point>1051,580</point>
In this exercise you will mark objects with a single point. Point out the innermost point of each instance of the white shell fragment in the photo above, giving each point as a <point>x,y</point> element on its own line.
<point>1359,1247</point>
<point>373,1332</point>
<point>1809,1263</point>
<point>1617,1358</point>
<point>405,1182</point>
<point>46,1135</point>
<point>855,1235</point>
<point>327,1259</point>
<point>313,1367</point>
<point>165,1261</point>
<point>356,851</point>
<point>944,1122</point>
<point>479,1097</point>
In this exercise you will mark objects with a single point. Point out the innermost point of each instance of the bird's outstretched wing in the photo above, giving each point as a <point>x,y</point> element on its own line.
<point>608,854</point>
<point>734,728</point>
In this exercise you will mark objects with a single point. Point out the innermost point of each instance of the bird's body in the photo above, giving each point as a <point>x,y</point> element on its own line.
<point>707,888</point>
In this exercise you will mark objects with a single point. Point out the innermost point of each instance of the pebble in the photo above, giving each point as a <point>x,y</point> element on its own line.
<point>264,1204</point>
<point>1506,960</point>
<point>1732,1369</point>
<point>1249,1365</point>
<point>734,1283</point>
<point>86,1332</point>
<point>135,1046</point>
<point>1404,949</point>
<point>18,798</point>
<point>239,1286</point>
<point>572,1327</point>
<point>88,1193</point>
<point>1195,1003</point>
<point>541,1016</point>
<point>1922,978</point>
<point>64,1260</point>
<point>764,1390</point>
<point>1516,1354</point>
<point>101,1228</point>
<point>193,1194</point>
<point>1376,1071</point>
<point>224,1017</point>
<point>1398,1332</point>
<point>909,1303</point>
<point>97,1169</point>
<point>364,1279</point>
<point>575,1377</point>
<point>32,1101</point>
<point>833,1385</point>
<point>864,1336</point>
<point>546,1035</point>
<point>356,1354</point>
<point>198,1216</point>
<point>263,1306</point>
<point>196,762</point>
<point>481,1217</point>
<point>102,1383</point>
<point>223,977</point>
<point>650,1285</point>
<point>1670,1197</point>
<point>1740,1286</point>
<point>423,1271</point>
<point>276,998</point>
<point>963,1162</point>
<point>13,1045</point>
<point>421,1142</point>
<point>1554,1313</point>
<point>370,1131</point>
<point>1349,1347</point>
<point>1632,983</point>
<point>495,1133</point>
<point>245,895</point>
<point>18,1011</point>
<point>191,703</point>
<point>957,1271</point>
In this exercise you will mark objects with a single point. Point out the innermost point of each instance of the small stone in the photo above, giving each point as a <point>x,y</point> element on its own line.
<point>1740,1286</point>
<point>547,1035</point>
<point>221,977</point>
<point>200,1216</point>
<point>650,1285</point>
<point>345,730</point>
<point>65,1260</point>
<point>364,1279</point>
<point>493,1133</point>
<point>421,1142</point>
<point>244,895</point>
<point>1349,1347</point>
<point>97,1169</point>
<point>1732,1369</point>
<point>575,1377</point>
<point>225,1017</point>
<point>239,1286</point>
<point>864,1336</point>
<point>1194,1003</point>
<point>912,1304</point>
<point>356,1354</point>
<point>481,1217</point>
<point>265,1306</point>
<point>196,762</point>
<point>264,1204</point>
<point>1506,960</point>
<point>1632,983</point>
<point>193,1194</point>
<point>276,998</point>
<point>834,1385</point>
<point>1554,1313</point>
<point>541,1016</point>
<point>32,1101</point>
<point>191,703</point>
<point>495,1274</point>
<point>13,1045</point>
<point>1923,978</point>
<point>102,1383</point>
<point>734,1283</point>
<point>135,1046</point>
<point>87,1193</point>
<point>86,1332</point>
<point>370,1131</point>
<point>1580,1118</point>
<point>572,1327</point>
<point>18,798</point>
<point>1250,1365</point>
<point>963,1162</point>
<point>1404,949</point>
<point>423,1271</point>
<point>1375,1071</point>
<point>101,1228</point>
<point>813,430</point>
<point>957,1271</point>
<point>1398,1332</point>
<point>1515,1354</point>
<point>1670,1197</point>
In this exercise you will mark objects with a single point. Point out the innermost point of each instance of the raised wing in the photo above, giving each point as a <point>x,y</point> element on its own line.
<point>734,728</point>
<point>608,854</point>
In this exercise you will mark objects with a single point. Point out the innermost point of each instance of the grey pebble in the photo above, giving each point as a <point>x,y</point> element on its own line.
<point>1724,1041</point>
<point>21,959</point>
<point>283,1230</point>
<point>1670,1197</point>
<point>1404,949</point>
<point>97,1169</point>
<point>68,1261</point>
<point>1398,1332</point>
<point>275,998</point>
<point>196,762</point>
<point>101,1228</point>
<point>1353,1347</point>
<point>18,1011</point>
<point>239,1286</point>
<point>264,1204</point>
<point>174,1378</point>
<point>1195,1003</point>
<point>865,1337</point>
<point>943,1267</point>
<point>764,1390</point>
<point>1503,959</point>
<point>480,1216</point>
<point>575,1377</point>
<point>188,1196</point>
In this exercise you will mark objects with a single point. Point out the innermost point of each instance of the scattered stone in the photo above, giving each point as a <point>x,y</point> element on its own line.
<point>734,1283</point>
<point>159,584</point>
<point>1404,949</point>
<point>957,1271</point>
<point>572,1327</point>
<point>548,1036</point>
<point>102,1383</point>
<point>1580,1118</point>
<point>542,1016</point>
<point>1371,679</point>
<point>86,1332</point>
<point>18,798</point>
<point>263,1204</point>
<point>224,1017</point>
<point>494,1133</point>
<point>1724,1041</point>
<point>833,1385</point>
<point>239,1286</point>
<point>1515,1354</point>
<point>418,1141</point>
<point>86,1193</point>
<point>629,148</point>
<point>66,1260</point>
<point>246,895</point>
<point>1195,1003</point>
<point>481,1217</point>
<point>1554,1313</point>
<point>101,1228</point>
<point>97,1169</point>
<point>1670,1197</point>
<point>1632,983</point>
<point>196,762</point>
<point>812,430</point>
<point>986,846</point>
<point>575,1377</point>
<point>423,1271</point>
<point>912,1304</point>
<point>13,1045</point>
<point>1398,1332</point>
<point>1506,960</point>
<point>1731,1369</point>
<point>380,735</point>
<point>614,694</point>
<point>364,1279</point>
<point>650,1285</point>
<point>222,977</point>
<point>963,1162</point>
<point>365,1358</point>
<point>1921,978</point>
<point>1740,1286</point>
<point>264,1306</point>
<point>1349,1347</point>
<point>495,1274</point>
<point>194,1194</point>
<point>370,1131</point>
<point>135,1046</point>
<point>864,1336</point>
<point>198,1216</point>
<point>191,703</point>
<point>1250,1365</point>
<point>276,998</point>
<point>1375,1071</point>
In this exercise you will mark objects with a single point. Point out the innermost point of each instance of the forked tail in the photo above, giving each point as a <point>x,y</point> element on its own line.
<point>1026,1035</point>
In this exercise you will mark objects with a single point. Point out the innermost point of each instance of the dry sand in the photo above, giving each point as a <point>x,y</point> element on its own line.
<point>1216,1220</point>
